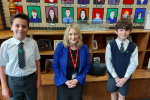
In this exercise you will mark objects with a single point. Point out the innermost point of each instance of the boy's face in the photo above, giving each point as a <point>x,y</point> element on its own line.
<point>20,28</point>
<point>122,34</point>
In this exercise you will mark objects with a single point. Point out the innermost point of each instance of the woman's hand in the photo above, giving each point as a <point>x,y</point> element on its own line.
<point>69,84</point>
<point>74,81</point>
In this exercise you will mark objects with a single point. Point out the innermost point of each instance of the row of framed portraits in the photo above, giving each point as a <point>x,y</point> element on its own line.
<point>34,13</point>
<point>88,1</point>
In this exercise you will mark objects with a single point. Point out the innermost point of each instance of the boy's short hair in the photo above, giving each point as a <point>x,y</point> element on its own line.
<point>19,15</point>
<point>124,23</point>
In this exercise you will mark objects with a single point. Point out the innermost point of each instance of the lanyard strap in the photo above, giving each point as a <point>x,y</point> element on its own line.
<point>74,64</point>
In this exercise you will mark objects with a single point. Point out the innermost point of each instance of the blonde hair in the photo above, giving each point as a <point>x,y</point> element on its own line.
<point>65,39</point>
<point>126,12</point>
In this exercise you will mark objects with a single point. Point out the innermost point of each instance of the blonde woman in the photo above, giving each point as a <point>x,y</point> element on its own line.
<point>71,64</point>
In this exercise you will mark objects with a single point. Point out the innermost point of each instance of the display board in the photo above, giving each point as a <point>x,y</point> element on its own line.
<point>58,14</point>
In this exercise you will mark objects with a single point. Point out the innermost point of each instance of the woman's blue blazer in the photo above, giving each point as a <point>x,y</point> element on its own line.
<point>60,60</point>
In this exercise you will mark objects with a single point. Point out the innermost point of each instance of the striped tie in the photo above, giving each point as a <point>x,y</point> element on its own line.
<point>21,55</point>
<point>122,48</point>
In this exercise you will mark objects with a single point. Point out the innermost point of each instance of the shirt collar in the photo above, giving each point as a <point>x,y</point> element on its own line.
<point>124,42</point>
<point>17,41</point>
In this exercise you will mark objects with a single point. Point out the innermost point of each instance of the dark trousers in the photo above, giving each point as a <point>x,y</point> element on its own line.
<point>65,93</point>
<point>23,87</point>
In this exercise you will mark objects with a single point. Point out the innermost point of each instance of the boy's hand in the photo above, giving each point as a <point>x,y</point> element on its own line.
<point>122,82</point>
<point>117,79</point>
<point>68,83</point>
<point>38,83</point>
<point>6,92</point>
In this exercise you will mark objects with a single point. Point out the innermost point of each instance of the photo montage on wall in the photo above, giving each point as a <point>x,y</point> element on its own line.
<point>97,15</point>
<point>112,15</point>
<point>67,14</point>
<point>126,12</point>
<point>83,15</point>
<point>68,1</point>
<point>99,2</point>
<point>34,13</point>
<point>51,14</point>
<point>139,15</point>
<point>116,2</point>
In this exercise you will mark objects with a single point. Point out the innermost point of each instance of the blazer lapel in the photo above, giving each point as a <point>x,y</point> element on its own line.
<point>65,59</point>
<point>81,52</point>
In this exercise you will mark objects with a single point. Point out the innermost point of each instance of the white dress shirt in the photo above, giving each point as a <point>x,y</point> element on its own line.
<point>9,56</point>
<point>133,59</point>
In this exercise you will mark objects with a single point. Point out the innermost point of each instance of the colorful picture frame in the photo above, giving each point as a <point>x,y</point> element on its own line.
<point>34,13</point>
<point>56,43</point>
<point>97,2</point>
<point>128,1</point>
<point>67,1</point>
<point>51,14</point>
<point>50,1</point>
<point>97,15</point>
<point>48,65</point>
<point>147,21</point>
<point>112,2</point>
<point>142,2</point>
<point>126,12</point>
<point>83,15</point>
<point>139,15</point>
<point>112,15</point>
<point>44,44</point>
<point>67,14</point>
<point>16,0</point>
<point>83,1</point>
<point>19,9</point>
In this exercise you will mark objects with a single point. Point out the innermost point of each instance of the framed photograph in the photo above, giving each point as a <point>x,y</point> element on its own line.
<point>96,59</point>
<point>97,15</point>
<point>48,65</point>
<point>51,14</point>
<point>33,0</point>
<point>67,1</point>
<point>116,2</point>
<point>142,2</point>
<point>112,15</point>
<point>147,21</point>
<point>99,2</point>
<point>67,14</point>
<point>19,9</point>
<point>95,46</point>
<point>83,1</point>
<point>83,15</point>
<point>128,1</point>
<point>44,44</point>
<point>129,38</point>
<point>56,43</point>
<point>34,13</point>
<point>148,63</point>
<point>126,12</point>
<point>109,39</point>
<point>139,15</point>
<point>16,0</point>
<point>50,1</point>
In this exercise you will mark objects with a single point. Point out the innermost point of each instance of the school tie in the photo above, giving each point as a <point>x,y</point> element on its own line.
<point>21,55</point>
<point>68,20</point>
<point>122,48</point>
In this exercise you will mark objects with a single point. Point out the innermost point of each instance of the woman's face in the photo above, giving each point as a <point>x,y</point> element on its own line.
<point>51,13</point>
<point>82,14</point>
<point>139,15</point>
<point>97,15</point>
<point>73,36</point>
<point>34,14</point>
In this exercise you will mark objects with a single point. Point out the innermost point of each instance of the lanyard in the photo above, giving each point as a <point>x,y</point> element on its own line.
<point>74,64</point>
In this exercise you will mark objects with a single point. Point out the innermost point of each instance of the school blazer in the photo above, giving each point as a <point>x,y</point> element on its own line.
<point>60,64</point>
